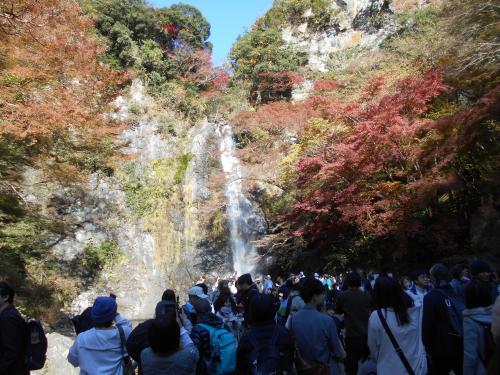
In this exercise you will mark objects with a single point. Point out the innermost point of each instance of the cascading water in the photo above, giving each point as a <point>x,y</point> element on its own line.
<point>246,223</point>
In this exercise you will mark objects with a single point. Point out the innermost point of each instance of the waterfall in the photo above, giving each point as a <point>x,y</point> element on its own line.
<point>245,222</point>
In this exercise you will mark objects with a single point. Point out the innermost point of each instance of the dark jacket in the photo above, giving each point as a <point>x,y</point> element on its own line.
<point>246,298</point>
<point>138,340</point>
<point>13,341</point>
<point>436,325</point>
<point>356,307</point>
<point>263,334</point>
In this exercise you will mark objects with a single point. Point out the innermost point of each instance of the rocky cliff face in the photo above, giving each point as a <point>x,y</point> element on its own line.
<point>359,23</point>
<point>162,247</point>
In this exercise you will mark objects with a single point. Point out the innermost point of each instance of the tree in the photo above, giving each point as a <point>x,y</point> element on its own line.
<point>51,80</point>
<point>191,27</point>
<point>261,51</point>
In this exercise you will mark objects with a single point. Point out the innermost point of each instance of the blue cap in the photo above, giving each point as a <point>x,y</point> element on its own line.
<point>104,310</point>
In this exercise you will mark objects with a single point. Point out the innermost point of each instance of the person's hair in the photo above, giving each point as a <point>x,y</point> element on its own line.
<point>415,274</point>
<point>204,287</point>
<point>456,271</point>
<point>104,325</point>
<point>388,293</point>
<point>224,296</point>
<point>245,279</point>
<point>223,285</point>
<point>477,294</point>
<point>353,280</point>
<point>168,295</point>
<point>164,335</point>
<point>440,272</point>
<point>262,309</point>
<point>310,287</point>
<point>7,291</point>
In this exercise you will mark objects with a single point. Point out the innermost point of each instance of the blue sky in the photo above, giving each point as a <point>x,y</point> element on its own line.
<point>227,18</point>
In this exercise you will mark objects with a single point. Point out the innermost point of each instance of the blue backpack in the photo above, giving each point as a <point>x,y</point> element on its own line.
<point>223,345</point>
<point>265,359</point>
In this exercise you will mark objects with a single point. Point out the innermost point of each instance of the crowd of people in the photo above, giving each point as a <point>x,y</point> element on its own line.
<point>435,321</point>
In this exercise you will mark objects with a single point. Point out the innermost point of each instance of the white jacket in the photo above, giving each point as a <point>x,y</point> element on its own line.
<point>408,336</point>
<point>98,351</point>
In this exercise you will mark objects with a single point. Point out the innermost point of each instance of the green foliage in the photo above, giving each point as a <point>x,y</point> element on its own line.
<point>182,164</point>
<point>123,49</point>
<point>96,257</point>
<point>137,192</point>
<point>146,188</point>
<point>10,80</point>
<point>318,14</point>
<point>131,14</point>
<point>88,156</point>
<point>229,102</point>
<point>261,51</point>
<point>192,26</point>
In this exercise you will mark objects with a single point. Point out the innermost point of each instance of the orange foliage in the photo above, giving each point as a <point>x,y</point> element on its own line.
<point>50,78</point>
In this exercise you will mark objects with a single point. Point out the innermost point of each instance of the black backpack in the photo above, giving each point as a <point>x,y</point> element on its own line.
<point>36,350</point>
<point>454,308</point>
<point>265,359</point>
<point>486,346</point>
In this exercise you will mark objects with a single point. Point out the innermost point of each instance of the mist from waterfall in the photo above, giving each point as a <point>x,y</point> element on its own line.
<point>245,222</point>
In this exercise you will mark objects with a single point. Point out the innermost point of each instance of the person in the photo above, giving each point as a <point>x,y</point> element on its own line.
<point>165,355</point>
<point>268,284</point>
<point>101,350</point>
<point>226,309</point>
<point>420,283</point>
<point>200,333</point>
<point>138,339</point>
<point>225,298</point>
<point>294,301</point>
<point>13,335</point>
<point>355,304</point>
<point>315,333</point>
<point>495,324</point>
<point>477,319</point>
<point>194,294</point>
<point>403,315</point>
<point>481,271</point>
<point>456,280</point>
<point>366,285</point>
<point>168,302</point>
<point>247,290</point>
<point>442,325</point>
<point>265,347</point>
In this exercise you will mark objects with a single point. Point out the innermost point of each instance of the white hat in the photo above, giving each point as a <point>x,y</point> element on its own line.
<point>197,291</point>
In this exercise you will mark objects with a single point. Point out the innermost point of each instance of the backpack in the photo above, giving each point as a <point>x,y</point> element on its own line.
<point>265,359</point>
<point>36,350</point>
<point>223,346</point>
<point>283,315</point>
<point>454,307</point>
<point>486,346</point>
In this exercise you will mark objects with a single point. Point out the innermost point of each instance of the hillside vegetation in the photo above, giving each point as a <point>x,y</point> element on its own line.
<point>395,153</point>
<point>62,63</point>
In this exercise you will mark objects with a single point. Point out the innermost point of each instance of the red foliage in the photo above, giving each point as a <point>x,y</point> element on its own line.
<point>383,171</point>
<point>327,85</point>
<point>170,29</point>
<point>53,81</point>
<point>271,86</point>
<point>274,117</point>
<point>222,79</point>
